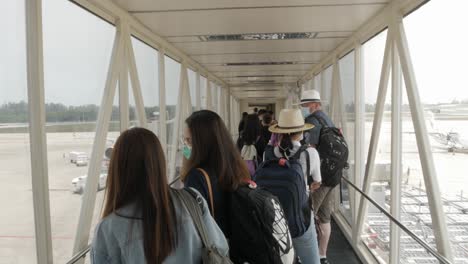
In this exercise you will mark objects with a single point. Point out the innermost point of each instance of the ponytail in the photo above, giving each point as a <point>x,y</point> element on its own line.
<point>286,146</point>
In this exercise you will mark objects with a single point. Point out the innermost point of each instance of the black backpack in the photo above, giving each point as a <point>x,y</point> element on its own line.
<point>258,232</point>
<point>333,151</point>
<point>285,179</point>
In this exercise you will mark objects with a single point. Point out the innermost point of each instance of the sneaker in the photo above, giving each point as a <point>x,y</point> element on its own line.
<point>324,261</point>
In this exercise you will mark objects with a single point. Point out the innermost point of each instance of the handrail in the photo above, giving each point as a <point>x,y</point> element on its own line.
<point>78,256</point>
<point>436,254</point>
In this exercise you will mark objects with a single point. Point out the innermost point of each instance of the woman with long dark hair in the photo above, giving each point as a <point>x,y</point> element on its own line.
<point>251,144</point>
<point>142,221</point>
<point>212,162</point>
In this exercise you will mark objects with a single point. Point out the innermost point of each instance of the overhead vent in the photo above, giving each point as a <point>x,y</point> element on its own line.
<point>267,90</point>
<point>260,36</point>
<point>262,81</point>
<point>260,63</point>
<point>260,76</point>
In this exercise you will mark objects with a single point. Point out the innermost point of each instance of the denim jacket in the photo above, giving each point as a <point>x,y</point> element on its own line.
<point>118,237</point>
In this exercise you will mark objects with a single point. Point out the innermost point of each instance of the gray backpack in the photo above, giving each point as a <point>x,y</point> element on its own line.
<point>194,202</point>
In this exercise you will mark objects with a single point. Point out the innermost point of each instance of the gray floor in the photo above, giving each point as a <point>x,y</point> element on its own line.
<point>339,250</point>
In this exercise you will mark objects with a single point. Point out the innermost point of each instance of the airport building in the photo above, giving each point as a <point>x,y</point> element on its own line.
<point>74,74</point>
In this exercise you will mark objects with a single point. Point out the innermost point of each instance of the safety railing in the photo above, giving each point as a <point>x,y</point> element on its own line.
<point>82,254</point>
<point>432,251</point>
<point>437,255</point>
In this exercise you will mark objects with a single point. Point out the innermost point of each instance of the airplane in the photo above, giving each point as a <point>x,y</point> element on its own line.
<point>451,141</point>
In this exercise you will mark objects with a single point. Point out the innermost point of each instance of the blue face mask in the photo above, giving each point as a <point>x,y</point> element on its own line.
<point>305,111</point>
<point>187,151</point>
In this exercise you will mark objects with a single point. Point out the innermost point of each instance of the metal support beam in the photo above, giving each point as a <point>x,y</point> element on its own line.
<point>358,128</point>
<point>228,106</point>
<point>197,92</point>
<point>209,101</point>
<point>136,87</point>
<point>37,135</point>
<point>378,116</point>
<point>215,97</point>
<point>112,12</point>
<point>162,100</point>
<point>89,195</point>
<point>312,83</point>
<point>427,161</point>
<point>173,147</point>
<point>123,97</point>
<point>396,149</point>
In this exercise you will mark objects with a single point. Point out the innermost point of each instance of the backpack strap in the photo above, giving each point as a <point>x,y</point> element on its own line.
<point>297,156</point>
<point>193,207</point>
<point>321,120</point>
<point>210,190</point>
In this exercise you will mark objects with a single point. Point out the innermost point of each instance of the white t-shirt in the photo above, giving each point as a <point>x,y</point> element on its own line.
<point>314,161</point>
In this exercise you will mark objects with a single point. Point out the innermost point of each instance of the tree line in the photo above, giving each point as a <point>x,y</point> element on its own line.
<point>59,113</point>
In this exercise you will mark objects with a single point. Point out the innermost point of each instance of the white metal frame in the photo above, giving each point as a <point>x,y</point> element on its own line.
<point>209,99</point>
<point>123,62</point>
<point>198,92</point>
<point>396,55</point>
<point>396,155</point>
<point>89,195</point>
<point>37,136</point>
<point>162,99</point>
<point>424,146</point>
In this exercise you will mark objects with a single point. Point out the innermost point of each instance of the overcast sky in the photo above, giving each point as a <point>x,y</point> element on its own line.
<point>77,49</point>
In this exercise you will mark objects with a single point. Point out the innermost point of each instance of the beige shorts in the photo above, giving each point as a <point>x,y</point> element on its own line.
<point>323,203</point>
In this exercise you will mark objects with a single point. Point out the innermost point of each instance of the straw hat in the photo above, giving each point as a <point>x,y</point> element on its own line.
<point>290,121</point>
<point>309,96</point>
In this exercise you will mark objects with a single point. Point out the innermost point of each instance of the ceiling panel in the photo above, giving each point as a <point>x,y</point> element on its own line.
<point>335,34</point>
<point>230,73</point>
<point>259,79</point>
<point>255,57</point>
<point>183,39</point>
<point>261,20</point>
<point>252,46</point>
<point>279,94</point>
<point>185,23</point>
<point>261,68</point>
<point>164,5</point>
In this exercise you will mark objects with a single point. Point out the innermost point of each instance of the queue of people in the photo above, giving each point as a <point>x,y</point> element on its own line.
<point>251,203</point>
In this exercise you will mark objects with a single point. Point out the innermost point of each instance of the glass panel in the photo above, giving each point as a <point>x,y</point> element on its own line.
<point>373,52</point>
<point>219,102</point>
<point>147,66</point>
<point>318,81</point>
<point>132,116</point>
<point>414,205</point>
<point>347,85</point>
<point>192,77</point>
<point>17,233</point>
<point>172,94</point>
<point>411,252</point>
<point>445,101</point>
<point>203,92</point>
<point>326,88</point>
<point>376,232</point>
<point>214,96</point>
<point>77,51</point>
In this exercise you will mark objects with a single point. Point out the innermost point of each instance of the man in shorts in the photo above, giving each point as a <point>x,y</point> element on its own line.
<point>322,198</point>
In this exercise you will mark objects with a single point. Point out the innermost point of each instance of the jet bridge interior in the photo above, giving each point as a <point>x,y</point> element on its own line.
<point>74,74</point>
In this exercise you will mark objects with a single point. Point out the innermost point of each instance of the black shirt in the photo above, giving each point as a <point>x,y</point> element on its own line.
<point>196,180</point>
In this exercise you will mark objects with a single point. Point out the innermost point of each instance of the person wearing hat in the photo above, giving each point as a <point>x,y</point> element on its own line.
<point>322,199</point>
<point>288,133</point>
